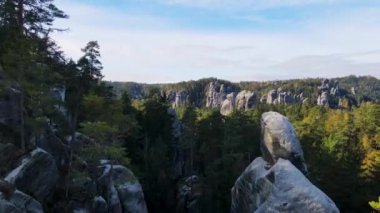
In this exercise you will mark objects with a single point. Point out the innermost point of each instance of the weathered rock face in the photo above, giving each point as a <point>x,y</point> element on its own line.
<point>276,183</point>
<point>228,104</point>
<point>323,99</point>
<point>6,155</point>
<point>279,140</point>
<point>281,97</point>
<point>10,111</point>
<point>53,145</point>
<point>282,188</point>
<point>178,155</point>
<point>180,99</point>
<point>189,194</point>
<point>122,190</point>
<point>19,202</point>
<point>216,94</point>
<point>245,100</point>
<point>37,175</point>
<point>272,97</point>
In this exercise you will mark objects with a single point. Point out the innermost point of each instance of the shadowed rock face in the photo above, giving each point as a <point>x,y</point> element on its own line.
<point>276,182</point>
<point>37,175</point>
<point>281,188</point>
<point>279,140</point>
<point>122,189</point>
<point>19,203</point>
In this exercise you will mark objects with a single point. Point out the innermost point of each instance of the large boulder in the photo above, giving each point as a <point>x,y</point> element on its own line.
<point>10,110</point>
<point>216,94</point>
<point>19,202</point>
<point>279,140</point>
<point>122,189</point>
<point>323,99</point>
<point>7,155</point>
<point>37,175</point>
<point>272,97</point>
<point>228,104</point>
<point>281,188</point>
<point>52,144</point>
<point>188,195</point>
<point>245,100</point>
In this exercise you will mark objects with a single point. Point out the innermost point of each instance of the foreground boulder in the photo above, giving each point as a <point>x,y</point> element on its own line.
<point>281,188</point>
<point>19,202</point>
<point>52,144</point>
<point>188,195</point>
<point>276,182</point>
<point>37,175</point>
<point>279,140</point>
<point>121,189</point>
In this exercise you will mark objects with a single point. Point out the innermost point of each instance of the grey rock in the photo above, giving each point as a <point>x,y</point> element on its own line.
<point>52,144</point>
<point>99,205</point>
<point>189,195</point>
<point>353,90</point>
<point>272,97</point>
<point>123,191</point>
<point>180,99</point>
<point>282,188</point>
<point>228,104</point>
<point>6,154</point>
<point>37,175</point>
<point>245,100</point>
<point>278,140</point>
<point>323,99</point>
<point>19,202</point>
<point>215,96</point>
<point>10,110</point>
<point>178,155</point>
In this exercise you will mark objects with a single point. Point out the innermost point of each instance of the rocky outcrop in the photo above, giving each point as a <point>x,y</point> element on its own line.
<point>278,96</point>
<point>189,194</point>
<point>7,154</point>
<point>19,202</point>
<point>279,140</point>
<point>36,176</point>
<point>52,144</point>
<point>121,189</point>
<point>228,104</point>
<point>10,110</point>
<point>178,155</point>
<point>245,100</point>
<point>276,183</point>
<point>323,99</point>
<point>177,99</point>
<point>215,95</point>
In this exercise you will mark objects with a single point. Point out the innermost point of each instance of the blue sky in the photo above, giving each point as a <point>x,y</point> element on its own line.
<point>238,40</point>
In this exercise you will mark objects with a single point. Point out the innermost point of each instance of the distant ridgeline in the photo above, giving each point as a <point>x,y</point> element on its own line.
<point>227,96</point>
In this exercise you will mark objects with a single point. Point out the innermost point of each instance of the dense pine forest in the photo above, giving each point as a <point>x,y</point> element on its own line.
<point>49,100</point>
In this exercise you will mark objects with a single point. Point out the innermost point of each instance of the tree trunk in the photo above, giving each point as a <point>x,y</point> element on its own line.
<point>20,15</point>
<point>22,123</point>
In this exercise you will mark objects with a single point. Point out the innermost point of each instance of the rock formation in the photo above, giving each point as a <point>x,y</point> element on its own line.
<point>278,96</point>
<point>279,140</point>
<point>245,100</point>
<point>19,202</point>
<point>276,183</point>
<point>37,175</point>
<point>228,104</point>
<point>215,95</point>
<point>188,196</point>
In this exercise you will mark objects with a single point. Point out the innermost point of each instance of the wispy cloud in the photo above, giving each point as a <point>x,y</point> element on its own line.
<point>149,48</point>
<point>252,4</point>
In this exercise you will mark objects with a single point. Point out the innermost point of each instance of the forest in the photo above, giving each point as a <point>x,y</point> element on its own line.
<point>160,144</point>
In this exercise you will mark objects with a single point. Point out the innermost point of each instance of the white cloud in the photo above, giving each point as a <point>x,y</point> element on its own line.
<point>150,49</point>
<point>250,4</point>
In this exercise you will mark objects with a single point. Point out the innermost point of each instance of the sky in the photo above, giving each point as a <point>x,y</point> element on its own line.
<point>161,41</point>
